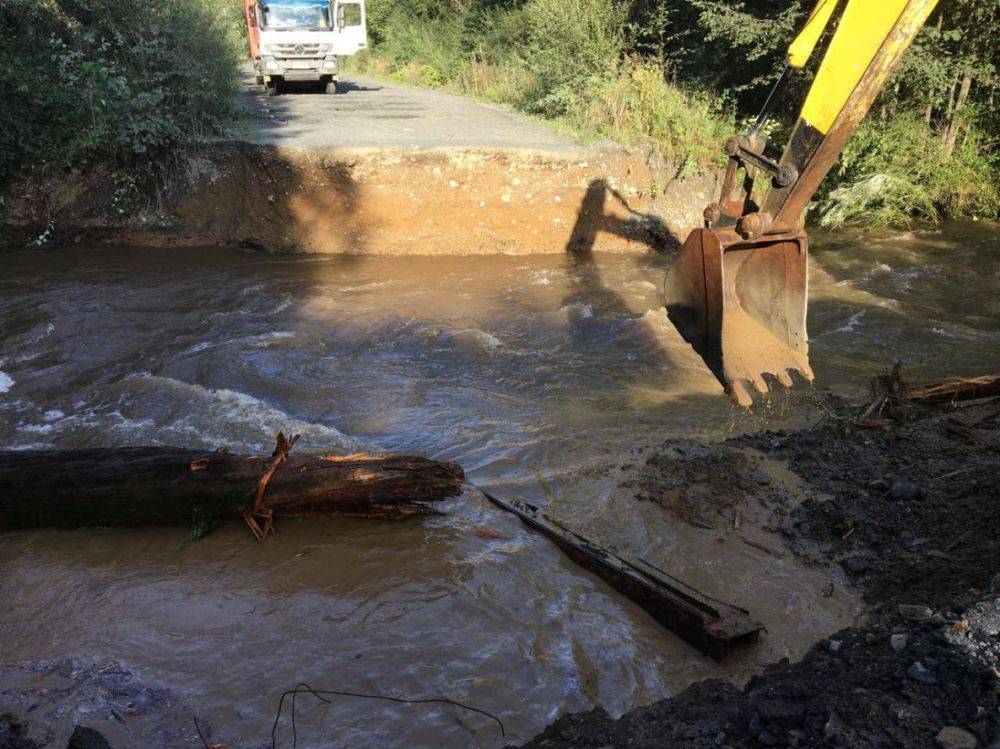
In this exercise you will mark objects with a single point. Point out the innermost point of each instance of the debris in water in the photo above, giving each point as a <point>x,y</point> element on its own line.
<point>483,532</point>
<point>714,627</point>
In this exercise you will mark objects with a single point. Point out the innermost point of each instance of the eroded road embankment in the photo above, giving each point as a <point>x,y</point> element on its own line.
<point>377,169</point>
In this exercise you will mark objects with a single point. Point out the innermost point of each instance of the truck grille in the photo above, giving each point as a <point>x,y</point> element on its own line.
<point>295,50</point>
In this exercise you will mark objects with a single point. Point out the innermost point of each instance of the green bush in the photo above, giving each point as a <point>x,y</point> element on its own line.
<point>122,82</point>
<point>419,35</point>
<point>569,46</point>
<point>892,173</point>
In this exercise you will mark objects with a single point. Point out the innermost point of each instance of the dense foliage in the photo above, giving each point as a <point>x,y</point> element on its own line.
<point>683,73</point>
<point>120,82</point>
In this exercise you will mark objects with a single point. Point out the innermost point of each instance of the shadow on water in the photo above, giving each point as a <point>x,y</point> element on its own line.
<point>586,284</point>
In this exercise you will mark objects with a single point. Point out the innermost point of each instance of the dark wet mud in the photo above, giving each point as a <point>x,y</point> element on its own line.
<point>911,512</point>
<point>895,682</point>
<point>910,515</point>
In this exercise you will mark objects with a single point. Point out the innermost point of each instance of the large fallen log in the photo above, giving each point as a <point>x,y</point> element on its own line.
<point>134,486</point>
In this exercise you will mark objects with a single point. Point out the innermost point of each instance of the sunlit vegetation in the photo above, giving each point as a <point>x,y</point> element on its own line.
<point>122,83</point>
<point>127,84</point>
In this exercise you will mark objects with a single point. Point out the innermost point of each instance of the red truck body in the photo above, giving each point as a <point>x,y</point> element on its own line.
<point>253,28</point>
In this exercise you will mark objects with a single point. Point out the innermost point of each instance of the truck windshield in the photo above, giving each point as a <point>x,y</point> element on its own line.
<point>297,16</point>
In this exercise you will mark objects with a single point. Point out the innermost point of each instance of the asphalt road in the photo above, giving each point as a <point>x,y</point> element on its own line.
<point>375,114</point>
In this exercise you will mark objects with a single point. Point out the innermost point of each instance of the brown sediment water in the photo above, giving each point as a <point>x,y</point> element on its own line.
<point>535,373</point>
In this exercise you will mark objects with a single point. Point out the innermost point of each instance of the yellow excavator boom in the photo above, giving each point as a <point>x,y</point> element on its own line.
<point>864,28</point>
<point>738,290</point>
<point>800,50</point>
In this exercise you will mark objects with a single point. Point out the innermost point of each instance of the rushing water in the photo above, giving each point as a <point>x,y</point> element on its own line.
<point>527,371</point>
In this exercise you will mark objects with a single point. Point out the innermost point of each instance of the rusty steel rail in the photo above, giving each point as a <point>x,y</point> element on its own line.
<point>711,626</point>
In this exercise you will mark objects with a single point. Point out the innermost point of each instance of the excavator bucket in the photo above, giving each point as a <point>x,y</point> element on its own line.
<point>742,305</point>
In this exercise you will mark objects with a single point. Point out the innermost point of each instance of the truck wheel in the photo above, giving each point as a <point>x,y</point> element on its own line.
<point>330,87</point>
<point>272,88</point>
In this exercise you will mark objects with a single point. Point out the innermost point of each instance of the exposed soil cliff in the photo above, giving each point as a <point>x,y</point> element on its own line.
<point>371,201</point>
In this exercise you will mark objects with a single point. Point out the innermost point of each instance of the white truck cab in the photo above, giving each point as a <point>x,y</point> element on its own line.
<point>300,40</point>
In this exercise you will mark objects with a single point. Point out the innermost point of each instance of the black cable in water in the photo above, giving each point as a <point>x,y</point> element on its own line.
<point>200,734</point>
<point>321,695</point>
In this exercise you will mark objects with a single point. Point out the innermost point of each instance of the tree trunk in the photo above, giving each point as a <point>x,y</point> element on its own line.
<point>953,126</point>
<point>965,388</point>
<point>135,486</point>
<point>948,116</point>
<point>929,112</point>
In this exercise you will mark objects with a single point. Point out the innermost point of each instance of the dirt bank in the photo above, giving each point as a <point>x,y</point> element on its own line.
<point>372,201</point>
<point>909,513</point>
<point>377,169</point>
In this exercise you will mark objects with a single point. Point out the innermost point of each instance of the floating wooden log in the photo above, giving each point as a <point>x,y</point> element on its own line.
<point>714,627</point>
<point>133,486</point>
<point>961,389</point>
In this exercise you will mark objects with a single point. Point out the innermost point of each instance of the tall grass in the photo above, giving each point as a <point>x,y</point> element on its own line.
<point>637,103</point>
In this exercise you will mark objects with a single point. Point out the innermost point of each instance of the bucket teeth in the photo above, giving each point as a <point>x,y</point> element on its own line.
<point>738,392</point>
<point>784,377</point>
<point>760,383</point>
<point>739,388</point>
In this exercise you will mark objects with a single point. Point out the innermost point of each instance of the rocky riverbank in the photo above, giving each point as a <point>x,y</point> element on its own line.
<point>909,678</point>
<point>95,704</point>
<point>909,511</point>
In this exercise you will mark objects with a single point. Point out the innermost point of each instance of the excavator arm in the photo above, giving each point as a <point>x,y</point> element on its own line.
<point>738,291</point>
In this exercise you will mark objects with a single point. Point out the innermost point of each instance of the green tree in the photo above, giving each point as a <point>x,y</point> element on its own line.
<point>123,82</point>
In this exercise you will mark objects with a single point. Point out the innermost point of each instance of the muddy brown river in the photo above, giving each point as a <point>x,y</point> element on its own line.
<point>532,372</point>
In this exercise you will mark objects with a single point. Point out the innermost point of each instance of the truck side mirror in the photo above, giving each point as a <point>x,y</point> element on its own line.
<point>341,20</point>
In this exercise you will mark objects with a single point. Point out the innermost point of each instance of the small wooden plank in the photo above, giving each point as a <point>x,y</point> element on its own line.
<point>711,626</point>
